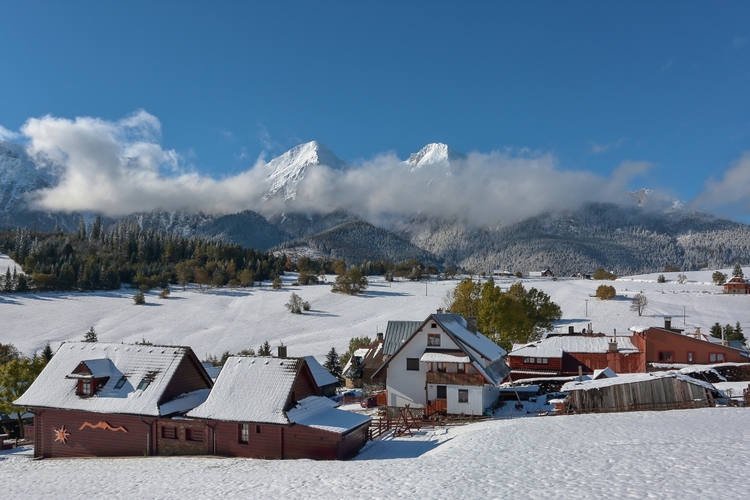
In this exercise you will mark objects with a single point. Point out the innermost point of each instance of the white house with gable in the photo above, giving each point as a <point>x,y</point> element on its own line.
<point>445,366</point>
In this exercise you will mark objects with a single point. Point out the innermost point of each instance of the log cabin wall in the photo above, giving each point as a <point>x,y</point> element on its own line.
<point>91,434</point>
<point>264,440</point>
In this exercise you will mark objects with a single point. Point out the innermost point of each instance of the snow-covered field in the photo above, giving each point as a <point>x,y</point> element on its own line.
<point>677,454</point>
<point>219,320</point>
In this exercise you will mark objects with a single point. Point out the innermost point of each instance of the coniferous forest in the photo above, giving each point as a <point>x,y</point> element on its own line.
<point>104,259</point>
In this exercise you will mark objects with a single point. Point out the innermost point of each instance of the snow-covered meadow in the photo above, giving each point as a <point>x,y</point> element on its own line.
<point>676,454</point>
<point>218,320</point>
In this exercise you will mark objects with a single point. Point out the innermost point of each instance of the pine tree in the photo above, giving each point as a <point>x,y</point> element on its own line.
<point>716,330</point>
<point>47,352</point>
<point>265,349</point>
<point>738,270</point>
<point>332,363</point>
<point>90,336</point>
<point>738,335</point>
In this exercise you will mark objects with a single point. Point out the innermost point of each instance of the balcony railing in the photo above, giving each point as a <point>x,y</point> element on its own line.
<point>445,378</point>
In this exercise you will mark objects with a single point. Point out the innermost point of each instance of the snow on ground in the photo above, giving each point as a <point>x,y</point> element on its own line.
<point>675,454</point>
<point>219,320</point>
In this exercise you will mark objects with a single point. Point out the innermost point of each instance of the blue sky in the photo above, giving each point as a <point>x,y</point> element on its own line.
<point>591,84</point>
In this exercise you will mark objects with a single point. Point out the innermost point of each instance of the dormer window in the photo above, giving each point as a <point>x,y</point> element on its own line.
<point>120,383</point>
<point>86,387</point>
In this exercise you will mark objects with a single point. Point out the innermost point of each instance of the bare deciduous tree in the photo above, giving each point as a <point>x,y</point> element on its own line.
<point>639,303</point>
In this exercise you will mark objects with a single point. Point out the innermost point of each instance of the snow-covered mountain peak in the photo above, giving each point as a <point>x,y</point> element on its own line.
<point>435,153</point>
<point>286,171</point>
<point>18,175</point>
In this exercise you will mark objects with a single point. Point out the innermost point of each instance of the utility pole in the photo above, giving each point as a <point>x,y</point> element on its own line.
<point>587,307</point>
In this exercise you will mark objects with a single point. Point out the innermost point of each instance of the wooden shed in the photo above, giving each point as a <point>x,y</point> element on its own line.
<point>636,392</point>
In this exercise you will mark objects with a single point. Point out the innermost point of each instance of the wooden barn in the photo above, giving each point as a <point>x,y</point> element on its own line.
<point>637,392</point>
<point>95,399</point>
<point>271,408</point>
<point>737,285</point>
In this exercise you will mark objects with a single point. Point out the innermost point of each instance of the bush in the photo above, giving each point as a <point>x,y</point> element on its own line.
<point>276,285</point>
<point>295,304</point>
<point>351,283</point>
<point>139,299</point>
<point>164,294</point>
<point>602,274</point>
<point>606,292</point>
<point>719,278</point>
<point>661,279</point>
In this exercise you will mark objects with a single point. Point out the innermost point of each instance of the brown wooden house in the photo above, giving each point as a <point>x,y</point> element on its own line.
<point>662,346</point>
<point>270,408</point>
<point>562,355</point>
<point>737,286</point>
<point>104,400</point>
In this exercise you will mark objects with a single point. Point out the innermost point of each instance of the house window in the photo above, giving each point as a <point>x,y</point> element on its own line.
<point>442,391</point>
<point>257,429</point>
<point>168,432</point>
<point>461,368</point>
<point>121,382</point>
<point>691,357</point>
<point>529,361</point>
<point>412,364</point>
<point>543,361</point>
<point>716,357</point>
<point>433,339</point>
<point>86,388</point>
<point>433,325</point>
<point>441,367</point>
<point>194,435</point>
<point>144,383</point>
<point>463,395</point>
<point>244,433</point>
<point>665,356</point>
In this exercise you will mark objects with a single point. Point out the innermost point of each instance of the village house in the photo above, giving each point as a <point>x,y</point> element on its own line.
<point>667,345</point>
<point>95,399</point>
<point>737,285</point>
<point>565,355</point>
<point>264,407</point>
<point>326,382</point>
<point>363,363</point>
<point>444,366</point>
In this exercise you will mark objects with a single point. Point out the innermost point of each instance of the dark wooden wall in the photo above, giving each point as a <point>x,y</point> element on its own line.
<point>88,442</point>
<point>189,376</point>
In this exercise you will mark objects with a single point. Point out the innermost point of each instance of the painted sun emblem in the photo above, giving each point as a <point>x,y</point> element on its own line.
<point>61,435</point>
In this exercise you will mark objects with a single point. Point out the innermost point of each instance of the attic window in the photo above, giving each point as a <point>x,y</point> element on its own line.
<point>433,339</point>
<point>144,383</point>
<point>86,388</point>
<point>433,325</point>
<point>121,382</point>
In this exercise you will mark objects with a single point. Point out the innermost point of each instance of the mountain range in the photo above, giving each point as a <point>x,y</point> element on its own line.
<point>643,236</point>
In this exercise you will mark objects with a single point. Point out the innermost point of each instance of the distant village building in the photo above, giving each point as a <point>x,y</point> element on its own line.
<point>737,285</point>
<point>547,273</point>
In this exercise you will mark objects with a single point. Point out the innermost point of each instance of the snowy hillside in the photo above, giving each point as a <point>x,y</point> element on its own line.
<point>219,320</point>
<point>679,454</point>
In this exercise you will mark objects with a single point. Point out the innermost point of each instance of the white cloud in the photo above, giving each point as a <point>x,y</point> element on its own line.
<point>119,167</point>
<point>603,148</point>
<point>731,191</point>
<point>8,135</point>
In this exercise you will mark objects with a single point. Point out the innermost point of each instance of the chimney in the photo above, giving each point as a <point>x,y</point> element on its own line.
<point>471,324</point>
<point>667,322</point>
<point>613,346</point>
<point>282,351</point>
<point>571,329</point>
<point>380,336</point>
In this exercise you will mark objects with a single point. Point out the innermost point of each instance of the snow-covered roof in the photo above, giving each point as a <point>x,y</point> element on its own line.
<point>251,389</point>
<point>56,385</point>
<point>455,325</point>
<point>631,378</point>
<point>319,412</point>
<point>322,376</point>
<point>444,357</point>
<point>553,347</point>
<point>638,328</point>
